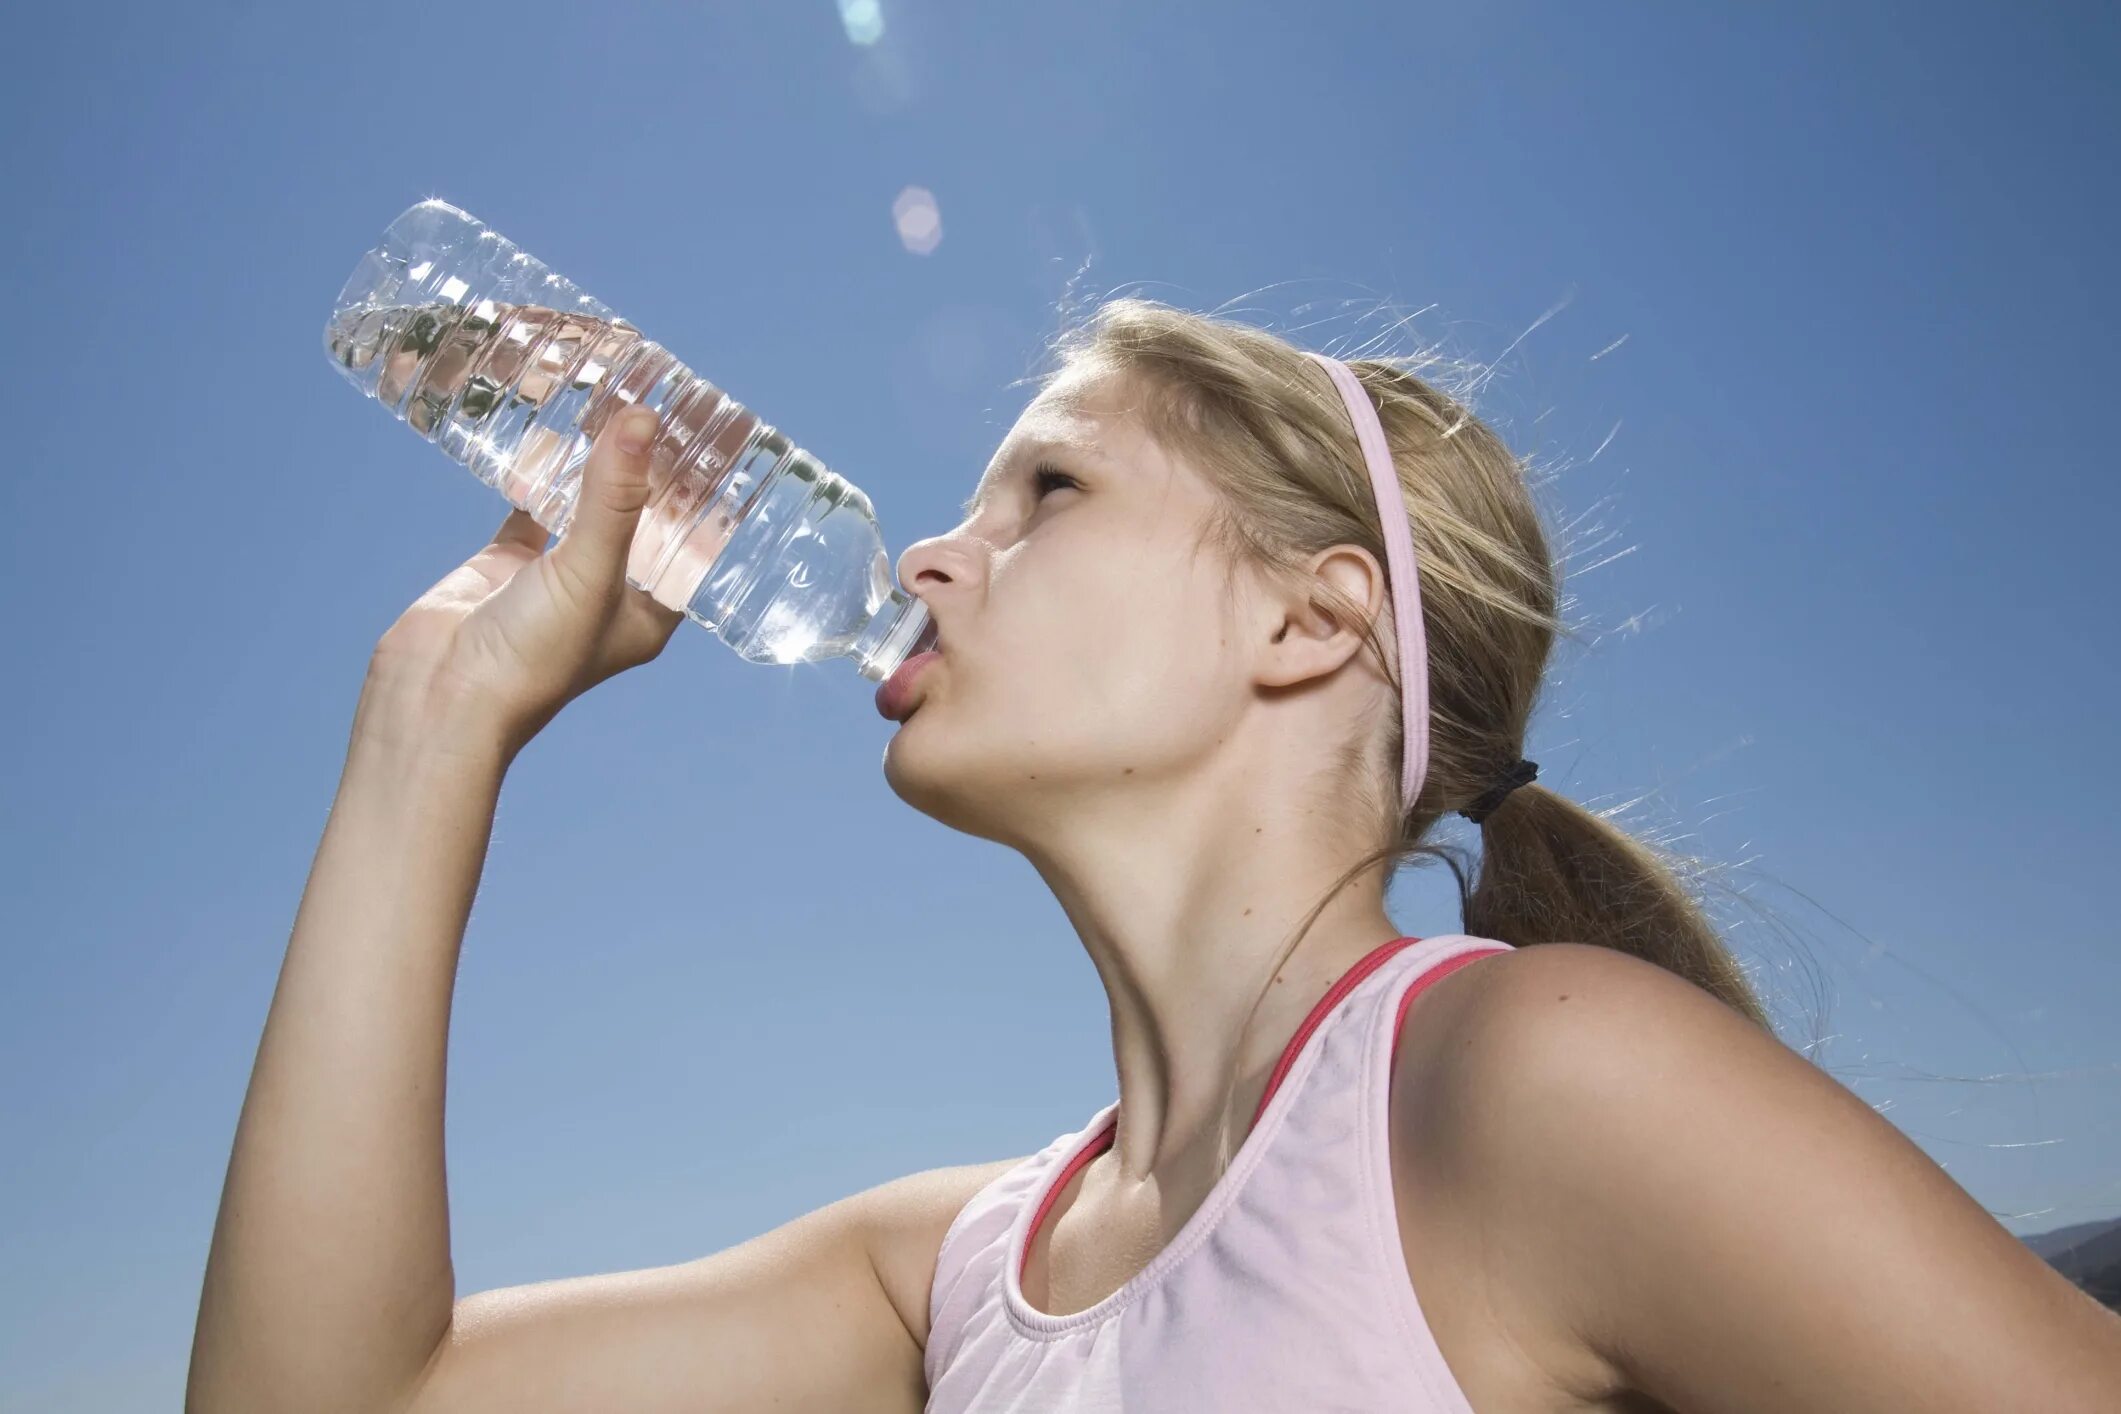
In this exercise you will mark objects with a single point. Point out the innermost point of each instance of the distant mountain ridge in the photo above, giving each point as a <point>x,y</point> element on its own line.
<point>2089,1254</point>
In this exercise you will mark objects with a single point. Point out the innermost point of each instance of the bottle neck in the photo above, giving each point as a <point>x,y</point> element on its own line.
<point>900,628</point>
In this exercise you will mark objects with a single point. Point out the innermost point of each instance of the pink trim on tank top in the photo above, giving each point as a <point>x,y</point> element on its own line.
<point>1348,982</point>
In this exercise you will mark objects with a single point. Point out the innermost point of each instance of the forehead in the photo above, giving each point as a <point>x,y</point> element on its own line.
<point>1078,416</point>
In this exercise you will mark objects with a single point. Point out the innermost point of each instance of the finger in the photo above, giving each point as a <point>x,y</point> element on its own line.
<point>608,507</point>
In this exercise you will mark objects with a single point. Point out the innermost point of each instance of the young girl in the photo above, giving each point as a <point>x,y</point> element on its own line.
<point>1226,631</point>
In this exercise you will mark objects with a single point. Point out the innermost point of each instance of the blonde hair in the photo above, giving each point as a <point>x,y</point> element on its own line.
<point>1267,428</point>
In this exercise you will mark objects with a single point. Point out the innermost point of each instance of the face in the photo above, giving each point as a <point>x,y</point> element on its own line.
<point>1083,633</point>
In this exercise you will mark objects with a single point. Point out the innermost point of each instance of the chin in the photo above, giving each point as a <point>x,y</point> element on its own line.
<point>918,768</point>
<point>955,787</point>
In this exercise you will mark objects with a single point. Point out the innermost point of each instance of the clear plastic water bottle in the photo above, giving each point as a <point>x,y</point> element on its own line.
<point>512,370</point>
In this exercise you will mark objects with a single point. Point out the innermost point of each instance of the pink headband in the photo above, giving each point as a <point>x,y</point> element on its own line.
<point>1400,573</point>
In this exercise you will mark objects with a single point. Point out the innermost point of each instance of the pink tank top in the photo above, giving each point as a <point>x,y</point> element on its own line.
<point>1287,1289</point>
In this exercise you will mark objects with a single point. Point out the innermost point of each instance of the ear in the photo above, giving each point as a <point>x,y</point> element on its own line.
<point>1308,635</point>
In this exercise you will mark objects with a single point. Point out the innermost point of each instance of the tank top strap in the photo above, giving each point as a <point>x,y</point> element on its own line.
<point>1420,979</point>
<point>962,1284</point>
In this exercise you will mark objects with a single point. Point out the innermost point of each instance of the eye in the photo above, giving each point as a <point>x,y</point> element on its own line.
<point>1048,478</point>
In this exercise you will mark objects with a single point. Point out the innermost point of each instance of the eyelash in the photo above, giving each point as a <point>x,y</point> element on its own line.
<point>1043,478</point>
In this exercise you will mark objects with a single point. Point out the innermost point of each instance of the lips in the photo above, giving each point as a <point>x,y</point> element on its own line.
<point>893,699</point>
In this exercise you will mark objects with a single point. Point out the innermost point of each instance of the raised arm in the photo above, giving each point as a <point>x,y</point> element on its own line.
<point>329,1286</point>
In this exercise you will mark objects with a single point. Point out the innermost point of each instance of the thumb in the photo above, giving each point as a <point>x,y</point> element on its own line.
<point>607,510</point>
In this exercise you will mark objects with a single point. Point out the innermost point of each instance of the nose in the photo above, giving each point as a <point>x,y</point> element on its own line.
<point>930,566</point>
<point>936,560</point>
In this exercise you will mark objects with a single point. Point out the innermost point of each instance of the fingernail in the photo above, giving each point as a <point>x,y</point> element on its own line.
<point>635,429</point>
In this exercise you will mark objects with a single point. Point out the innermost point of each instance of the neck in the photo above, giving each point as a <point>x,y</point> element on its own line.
<point>1188,911</point>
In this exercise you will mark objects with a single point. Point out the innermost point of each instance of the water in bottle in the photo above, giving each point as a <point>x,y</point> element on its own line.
<point>513,371</point>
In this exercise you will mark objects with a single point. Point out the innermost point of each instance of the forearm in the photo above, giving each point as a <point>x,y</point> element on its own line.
<point>329,1281</point>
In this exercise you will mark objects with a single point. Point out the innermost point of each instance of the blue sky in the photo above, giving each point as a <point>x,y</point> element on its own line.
<point>1822,310</point>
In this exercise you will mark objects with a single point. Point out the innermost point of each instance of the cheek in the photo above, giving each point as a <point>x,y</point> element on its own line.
<point>1128,634</point>
<point>1138,675</point>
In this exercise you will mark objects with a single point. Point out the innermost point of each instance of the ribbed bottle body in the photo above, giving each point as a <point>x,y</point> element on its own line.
<point>513,371</point>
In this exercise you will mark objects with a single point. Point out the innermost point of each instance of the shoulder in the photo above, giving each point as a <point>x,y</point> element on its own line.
<point>1529,1089</point>
<point>1670,1188</point>
<point>1521,1022</point>
<point>1534,1069</point>
<point>1540,1004</point>
<point>1518,1080</point>
<point>906,1220</point>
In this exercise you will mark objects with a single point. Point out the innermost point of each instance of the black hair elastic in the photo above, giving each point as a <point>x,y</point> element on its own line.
<point>1523,773</point>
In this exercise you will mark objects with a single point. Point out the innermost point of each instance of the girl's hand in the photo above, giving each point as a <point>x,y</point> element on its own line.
<point>519,630</point>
